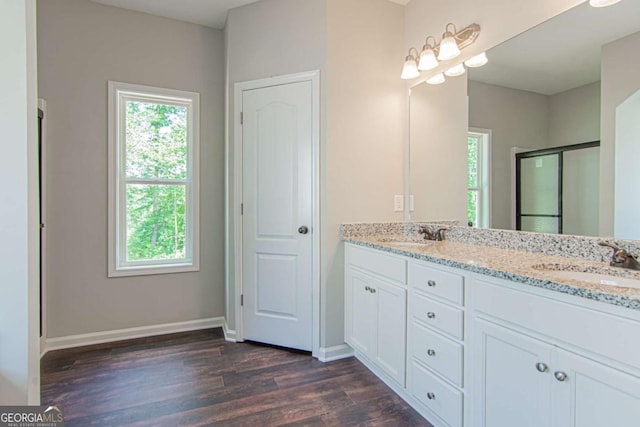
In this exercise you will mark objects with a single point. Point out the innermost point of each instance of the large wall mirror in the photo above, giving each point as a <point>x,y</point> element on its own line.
<point>542,138</point>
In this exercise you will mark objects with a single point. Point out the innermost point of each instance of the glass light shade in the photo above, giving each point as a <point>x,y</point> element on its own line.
<point>602,3</point>
<point>436,80</point>
<point>448,49</point>
<point>456,70</point>
<point>477,61</point>
<point>409,69</point>
<point>428,60</point>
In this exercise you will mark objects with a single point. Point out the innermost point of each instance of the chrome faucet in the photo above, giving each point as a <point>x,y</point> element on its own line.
<point>430,234</point>
<point>621,258</point>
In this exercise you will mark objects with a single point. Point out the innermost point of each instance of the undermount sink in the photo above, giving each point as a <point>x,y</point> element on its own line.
<point>597,278</point>
<point>399,242</point>
<point>405,243</point>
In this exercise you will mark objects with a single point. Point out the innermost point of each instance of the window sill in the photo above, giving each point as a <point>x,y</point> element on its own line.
<point>153,269</point>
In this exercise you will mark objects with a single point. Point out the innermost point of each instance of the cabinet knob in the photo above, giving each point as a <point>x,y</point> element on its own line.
<point>431,315</point>
<point>431,396</point>
<point>431,352</point>
<point>560,376</point>
<point>431,283</point>
<point>367,288</point>
<point>372,290</point>
<point>541,367</point>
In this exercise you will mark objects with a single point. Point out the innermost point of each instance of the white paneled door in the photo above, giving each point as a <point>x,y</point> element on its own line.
<point>277,188</point>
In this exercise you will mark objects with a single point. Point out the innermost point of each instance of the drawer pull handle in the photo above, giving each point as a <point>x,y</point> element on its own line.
<point>431,283</point>
<point>541,367</point>
<point>431,352</point>
<point>431,396</point>
<point>560,376</point>
<point>431,315</point>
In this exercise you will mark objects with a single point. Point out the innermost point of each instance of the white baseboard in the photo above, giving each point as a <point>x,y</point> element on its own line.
<point>328,354</point>
<point>229,334</point>
<point>130,333</point>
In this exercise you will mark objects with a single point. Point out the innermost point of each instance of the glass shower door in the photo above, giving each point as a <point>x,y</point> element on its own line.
<point>539,198</point>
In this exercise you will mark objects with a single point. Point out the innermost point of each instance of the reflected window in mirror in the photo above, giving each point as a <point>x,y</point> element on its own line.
<point>478,197</point>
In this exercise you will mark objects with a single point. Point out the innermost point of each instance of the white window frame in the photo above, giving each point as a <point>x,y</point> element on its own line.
<point>484,176</point>
<point>119,93</point>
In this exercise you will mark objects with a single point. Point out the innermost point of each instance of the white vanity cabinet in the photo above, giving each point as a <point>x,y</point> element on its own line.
<point>376,301</point>
<point>545,360</point>
<point>472,350</point>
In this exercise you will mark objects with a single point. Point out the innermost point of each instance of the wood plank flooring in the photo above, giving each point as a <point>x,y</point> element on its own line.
<point>197,379</point>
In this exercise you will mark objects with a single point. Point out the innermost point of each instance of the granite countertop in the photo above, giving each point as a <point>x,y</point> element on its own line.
<point>534,269</point>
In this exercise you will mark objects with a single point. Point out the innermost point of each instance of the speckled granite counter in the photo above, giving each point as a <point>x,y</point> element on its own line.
<point>530,268</point>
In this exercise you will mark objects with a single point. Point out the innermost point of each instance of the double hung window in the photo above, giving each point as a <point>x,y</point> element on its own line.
<point>153,180</point>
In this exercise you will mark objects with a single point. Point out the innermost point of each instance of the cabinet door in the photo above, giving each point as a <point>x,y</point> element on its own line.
<point>391,329</point>
<point>513,381</point>
<point>361,314</point>
<point>592,394</point>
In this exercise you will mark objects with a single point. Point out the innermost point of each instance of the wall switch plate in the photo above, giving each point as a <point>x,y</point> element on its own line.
<point>398,203</point>
<point>411,203</point>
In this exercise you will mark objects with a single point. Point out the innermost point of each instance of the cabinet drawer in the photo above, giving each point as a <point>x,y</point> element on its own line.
<point>436,395</point>
<point>389,266</point>
<point>440,354</point>
<point>440,316</point>
<point>437,282</point>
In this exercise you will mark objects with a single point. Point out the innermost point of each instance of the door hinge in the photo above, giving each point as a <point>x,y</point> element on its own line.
<point>241,208</point>
<point>241,300</point>
<point>241,118</point>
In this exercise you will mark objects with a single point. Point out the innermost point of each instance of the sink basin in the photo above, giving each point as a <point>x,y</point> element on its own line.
<point>604,277</point>
<point>405,243</point>
<point>598,278</point>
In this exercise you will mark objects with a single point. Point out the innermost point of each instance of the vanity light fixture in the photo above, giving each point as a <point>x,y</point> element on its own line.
<point>410,67</point>
<point>456,70</point>
<point>448,46</point>
<point>436,80</point>
<point>477,61</point>
<point>428,59</point>
<point>602,3</point>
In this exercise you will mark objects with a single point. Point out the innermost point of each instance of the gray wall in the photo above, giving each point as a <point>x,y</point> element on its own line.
<point>81,46</point>
<point>574,116</point>
<point>19,349</point>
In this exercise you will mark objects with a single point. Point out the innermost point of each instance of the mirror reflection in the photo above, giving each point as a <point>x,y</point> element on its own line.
<point>543,119</point>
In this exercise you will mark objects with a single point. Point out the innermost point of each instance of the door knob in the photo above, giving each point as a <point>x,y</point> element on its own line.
<point>431,315</point>
<point>303,229</point>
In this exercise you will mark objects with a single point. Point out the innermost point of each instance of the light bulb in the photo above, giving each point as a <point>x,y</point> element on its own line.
<point>456,70</point>
<point>477,61</point>
<point>436,80</point>
<point>602,3</point>
<point>448,48</point>
<point>428,59</point>
<point>410,68</point>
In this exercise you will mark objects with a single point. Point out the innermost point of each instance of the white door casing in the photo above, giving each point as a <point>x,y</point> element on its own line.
<point>276,148</point>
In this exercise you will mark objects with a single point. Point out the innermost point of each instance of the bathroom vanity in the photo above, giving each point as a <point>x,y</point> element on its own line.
<point>474,335</point>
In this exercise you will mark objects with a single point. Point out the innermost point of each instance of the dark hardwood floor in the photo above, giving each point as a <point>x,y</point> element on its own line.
<point>196,378</point>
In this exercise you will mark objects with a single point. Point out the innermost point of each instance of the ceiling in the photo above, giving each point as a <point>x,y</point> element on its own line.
<point>210,13</point>
<point>562,53</point>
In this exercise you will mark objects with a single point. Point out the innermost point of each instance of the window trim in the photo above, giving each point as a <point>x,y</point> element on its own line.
<point>118,93</point>
<point>484,176</point>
